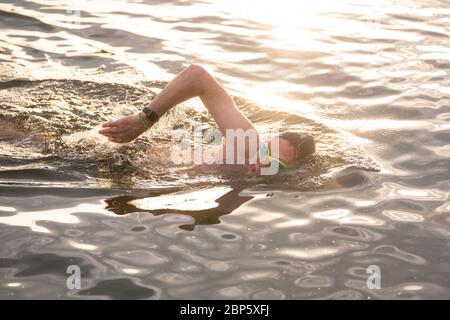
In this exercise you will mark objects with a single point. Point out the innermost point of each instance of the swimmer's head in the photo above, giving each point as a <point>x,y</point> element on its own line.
<point>293,146</point>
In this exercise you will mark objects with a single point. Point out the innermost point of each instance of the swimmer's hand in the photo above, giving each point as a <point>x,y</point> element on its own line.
<point>123,130</point>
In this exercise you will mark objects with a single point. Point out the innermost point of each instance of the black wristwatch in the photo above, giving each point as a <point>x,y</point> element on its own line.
<point>150,114</point>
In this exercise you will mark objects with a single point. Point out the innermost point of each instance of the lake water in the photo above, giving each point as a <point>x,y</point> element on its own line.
<point>368,79</point>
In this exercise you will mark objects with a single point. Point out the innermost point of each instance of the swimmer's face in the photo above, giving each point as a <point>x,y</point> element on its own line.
<point>286,151</point>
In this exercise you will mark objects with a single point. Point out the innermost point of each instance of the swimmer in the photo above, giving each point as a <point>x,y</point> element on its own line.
<point>194,81</point>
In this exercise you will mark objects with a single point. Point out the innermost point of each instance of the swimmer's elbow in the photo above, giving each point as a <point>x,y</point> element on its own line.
<point>197,70</point>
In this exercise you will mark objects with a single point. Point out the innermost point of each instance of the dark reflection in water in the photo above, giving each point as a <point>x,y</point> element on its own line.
<point>118,289</point>
<point>225,204</point>
<point>47,263</point>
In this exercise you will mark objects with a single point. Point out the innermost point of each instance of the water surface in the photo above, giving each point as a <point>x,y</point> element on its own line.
<point>368,79</point>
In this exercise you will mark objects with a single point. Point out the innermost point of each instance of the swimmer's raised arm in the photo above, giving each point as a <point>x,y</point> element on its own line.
<point>193,81</point>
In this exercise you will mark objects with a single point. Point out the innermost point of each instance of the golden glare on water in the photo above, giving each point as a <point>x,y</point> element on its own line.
<point>276,13</point>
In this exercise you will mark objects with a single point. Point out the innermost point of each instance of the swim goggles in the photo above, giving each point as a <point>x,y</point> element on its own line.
<point>264,152</point>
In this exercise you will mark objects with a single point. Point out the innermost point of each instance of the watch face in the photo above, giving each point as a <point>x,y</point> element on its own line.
<point>150,114</point>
